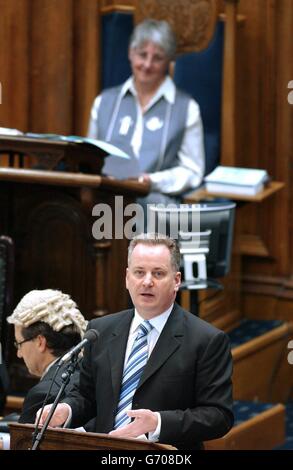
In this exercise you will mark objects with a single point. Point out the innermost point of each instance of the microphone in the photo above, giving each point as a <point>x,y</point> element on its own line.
<point>89,337</point>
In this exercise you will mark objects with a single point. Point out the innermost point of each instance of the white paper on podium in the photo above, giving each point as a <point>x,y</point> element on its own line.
<point>7,131</point>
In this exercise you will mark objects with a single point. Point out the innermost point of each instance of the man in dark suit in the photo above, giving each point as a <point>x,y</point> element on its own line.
<point>51,380</point>
<point>47,324</point>
<point>4,383</point>
<point>184,392</point>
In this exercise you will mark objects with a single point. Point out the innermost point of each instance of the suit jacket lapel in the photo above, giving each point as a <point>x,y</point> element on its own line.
<point>117,349</point>
<point>50,373</point>
<point>168,342</point>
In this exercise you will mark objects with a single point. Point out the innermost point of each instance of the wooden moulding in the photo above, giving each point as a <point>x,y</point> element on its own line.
<point>68,439</point>
<point>117,7</point>
<point>13,403</point>
<point>55,178</point>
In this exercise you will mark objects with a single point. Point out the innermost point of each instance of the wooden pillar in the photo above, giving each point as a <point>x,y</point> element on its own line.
<point>86,61</point>
<point>228,133</point>
<point>51,66</point>
<point>14,65</point>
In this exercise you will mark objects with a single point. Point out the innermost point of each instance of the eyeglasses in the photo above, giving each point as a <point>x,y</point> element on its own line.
<point>17,344</point>
<point>155,59</point>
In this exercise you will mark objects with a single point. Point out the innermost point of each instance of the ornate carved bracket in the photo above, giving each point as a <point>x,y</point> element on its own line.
<point>193,21</point>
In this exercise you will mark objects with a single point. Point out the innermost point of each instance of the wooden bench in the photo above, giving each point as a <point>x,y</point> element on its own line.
<point>13,404</point>
<point>261,369</point>
<point>264,431</point>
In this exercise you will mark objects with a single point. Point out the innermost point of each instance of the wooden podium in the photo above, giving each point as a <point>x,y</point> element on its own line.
<point>67,439</point>
<point>48,153</point>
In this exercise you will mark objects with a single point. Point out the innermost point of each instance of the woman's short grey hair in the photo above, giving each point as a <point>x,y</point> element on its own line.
<point>158,32</point>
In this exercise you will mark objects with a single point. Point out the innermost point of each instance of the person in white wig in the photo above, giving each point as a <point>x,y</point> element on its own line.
<point>47,323</point>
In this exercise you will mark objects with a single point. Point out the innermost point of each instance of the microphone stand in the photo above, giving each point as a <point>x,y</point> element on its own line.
<point>65,379</point>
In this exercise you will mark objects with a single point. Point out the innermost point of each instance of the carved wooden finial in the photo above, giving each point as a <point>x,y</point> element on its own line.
<point>193,21</point>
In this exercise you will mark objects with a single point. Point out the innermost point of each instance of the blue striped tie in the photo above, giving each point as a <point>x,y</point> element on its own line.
<point>132,373</point>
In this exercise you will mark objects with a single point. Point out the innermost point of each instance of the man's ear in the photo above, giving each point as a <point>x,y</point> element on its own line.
<point>126,278</point>
<point>177,281</point>
<point>42,342</point>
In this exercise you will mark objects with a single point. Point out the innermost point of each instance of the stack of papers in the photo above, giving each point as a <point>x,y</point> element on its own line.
<point>241,181</point>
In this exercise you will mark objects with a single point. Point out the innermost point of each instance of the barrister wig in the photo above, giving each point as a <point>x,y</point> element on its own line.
<point>49,306</point>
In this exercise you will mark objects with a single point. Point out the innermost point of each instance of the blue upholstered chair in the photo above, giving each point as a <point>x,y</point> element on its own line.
<point>116,31</point>
<point>200,75</point>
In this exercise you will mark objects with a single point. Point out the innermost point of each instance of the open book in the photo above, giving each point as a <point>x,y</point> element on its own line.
<point>243,181</point>
<point>108,148</point>
<point>117,163</point>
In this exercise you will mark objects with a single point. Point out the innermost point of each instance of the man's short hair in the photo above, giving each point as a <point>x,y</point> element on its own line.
<point>157,239</point>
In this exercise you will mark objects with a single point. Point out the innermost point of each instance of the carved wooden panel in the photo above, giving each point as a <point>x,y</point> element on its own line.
<point>265,137</point>
<point>193,21</point>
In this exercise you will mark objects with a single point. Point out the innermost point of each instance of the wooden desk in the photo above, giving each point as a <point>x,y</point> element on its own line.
<point>202,193</point>
<point>47,154</point>
<point>68,439</point>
